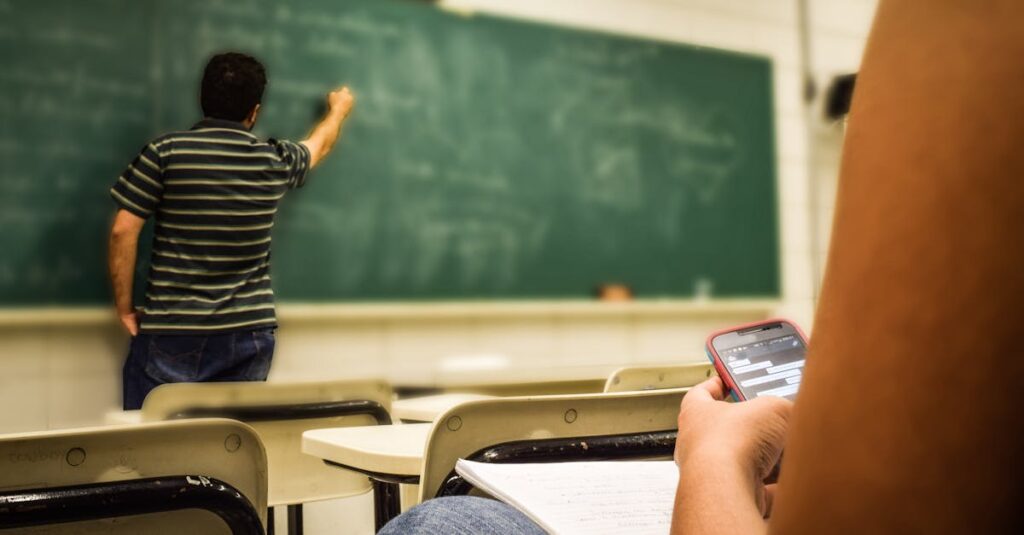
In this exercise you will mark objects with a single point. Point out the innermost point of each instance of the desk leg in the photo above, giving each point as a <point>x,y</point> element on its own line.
<point>386,504</point>
<point>295,519</point>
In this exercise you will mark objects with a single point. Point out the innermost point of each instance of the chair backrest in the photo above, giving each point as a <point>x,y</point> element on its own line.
<point>294,476</point>
<point>632,378</point>
<point>217,449</point>
<point>475,425</point>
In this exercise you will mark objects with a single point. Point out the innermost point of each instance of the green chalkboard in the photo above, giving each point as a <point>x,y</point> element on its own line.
<point>487,157</point>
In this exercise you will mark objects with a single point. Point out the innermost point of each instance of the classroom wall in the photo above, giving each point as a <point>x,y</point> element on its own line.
<point>67,373</point>
<point>839,30</point>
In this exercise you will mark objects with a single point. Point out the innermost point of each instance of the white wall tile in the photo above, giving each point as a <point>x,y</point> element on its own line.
<point>791,137</point>
<point>796,236</point>
<point>774,12</point>
<point>520,339</point>
<point>782,43</point>
<point>788,89</point>
<point>593,341</point>
<point>836,54</point>
<point>793,187</point>
<point>720,31</point>
<point>800,311</point>
<point>26,405</point>
<point>23,383</point>
<point>81,400</point>
<point>677,340</point>
<point>415,349</point>
<point>796,276</point>
<point>324,351</point>
<point>851,17</point>
<point>23,352</point>
<point>65,349</point>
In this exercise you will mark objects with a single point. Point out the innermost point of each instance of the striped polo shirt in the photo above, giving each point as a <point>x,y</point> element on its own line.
<point>214,190</point>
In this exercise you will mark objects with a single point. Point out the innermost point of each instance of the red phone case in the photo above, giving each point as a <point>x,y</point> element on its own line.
<point>716,360</point>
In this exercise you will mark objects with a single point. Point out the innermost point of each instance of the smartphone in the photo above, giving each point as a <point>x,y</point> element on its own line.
<point>759,359</point>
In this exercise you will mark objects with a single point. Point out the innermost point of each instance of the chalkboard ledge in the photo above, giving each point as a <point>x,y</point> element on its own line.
<point>410,311</point>
<point>517,309</point>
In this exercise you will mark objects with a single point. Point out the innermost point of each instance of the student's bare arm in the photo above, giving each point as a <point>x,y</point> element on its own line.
<point>321,140</point>
<point>909,414</point>
<point>124,241</point>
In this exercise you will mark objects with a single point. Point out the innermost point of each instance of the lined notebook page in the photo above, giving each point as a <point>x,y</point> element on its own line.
<point>584,498</point>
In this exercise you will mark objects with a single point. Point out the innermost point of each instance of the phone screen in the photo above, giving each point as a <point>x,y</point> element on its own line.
<point>770,367</point>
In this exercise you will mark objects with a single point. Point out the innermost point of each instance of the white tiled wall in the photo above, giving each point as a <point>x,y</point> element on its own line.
<point>418,350</point>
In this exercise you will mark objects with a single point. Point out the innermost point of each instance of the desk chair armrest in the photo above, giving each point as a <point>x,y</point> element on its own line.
<point>631,446</point>
<point>96,501</point>
<point>291,411</point>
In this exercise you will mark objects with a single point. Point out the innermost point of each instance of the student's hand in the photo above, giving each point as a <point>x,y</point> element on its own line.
<point>130,322</point>
<point>341,101</point>
<point>746,436</point>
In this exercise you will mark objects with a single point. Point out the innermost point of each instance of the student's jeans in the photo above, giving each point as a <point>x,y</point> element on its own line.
<point>155,359</point>
<point>461,515</point>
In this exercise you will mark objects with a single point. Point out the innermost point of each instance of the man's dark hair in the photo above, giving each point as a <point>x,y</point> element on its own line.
<point>233,85</point>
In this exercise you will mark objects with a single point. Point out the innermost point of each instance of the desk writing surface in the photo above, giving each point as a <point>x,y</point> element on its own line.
<point>486,158</point>
<point>428,408</point>
<point>524,374</point>
<point>385,449</point>
<point>123,417</point>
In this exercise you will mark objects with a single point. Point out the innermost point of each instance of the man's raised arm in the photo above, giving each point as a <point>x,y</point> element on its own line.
<point>321,140</point>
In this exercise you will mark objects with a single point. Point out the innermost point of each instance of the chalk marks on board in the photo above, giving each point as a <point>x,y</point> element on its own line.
<point>346,233</point>
<point>484,243</point>
<point>613,177</point>
<point>8,274</point>
<point>415,170</point>
<point>214,37</point>
<point>329,44</point>
<point>73,80</point>
<point>252,11</point>
<point>603,55</point>
<point>66,36</point>
<point>291,87</point>
<point>354,23</point>
<point>11,145</point>
<point>71,95</point>
<point>707,154</point>
<point>44,276</point>
<point>43,107</point>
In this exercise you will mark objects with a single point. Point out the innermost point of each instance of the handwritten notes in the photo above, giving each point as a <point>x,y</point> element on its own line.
<point>585,497</point>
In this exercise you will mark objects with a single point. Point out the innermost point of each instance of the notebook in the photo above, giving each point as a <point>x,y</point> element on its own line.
<point>612,497</point>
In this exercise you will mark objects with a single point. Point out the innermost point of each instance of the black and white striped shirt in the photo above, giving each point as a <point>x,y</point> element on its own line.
<point>214,190</point>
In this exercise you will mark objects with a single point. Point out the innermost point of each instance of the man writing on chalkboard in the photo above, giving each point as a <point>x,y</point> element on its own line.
<point>214,189</point>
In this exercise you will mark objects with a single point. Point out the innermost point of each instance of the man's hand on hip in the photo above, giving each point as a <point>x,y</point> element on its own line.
<point>130,322</point>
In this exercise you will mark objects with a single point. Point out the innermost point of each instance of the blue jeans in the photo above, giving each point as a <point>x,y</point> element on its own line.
<point>462,515</point>
<point>155,359</point>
